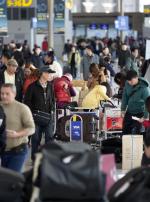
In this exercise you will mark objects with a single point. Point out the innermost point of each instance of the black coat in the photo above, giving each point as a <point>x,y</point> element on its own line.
<point>37,61</point>
<point>19,81</point>
<point>122,57</point>
<point>34,97</point>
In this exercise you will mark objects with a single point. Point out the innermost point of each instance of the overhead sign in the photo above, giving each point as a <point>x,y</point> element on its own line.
<point>93,26</point>
<point>104,26</point>
<point>147,9</point>
<point>42,17</point>
<point>147,51</point>
<point>59,13</point>
<point>123,23</point>
<point>3,18</point>
<point>19,3</point>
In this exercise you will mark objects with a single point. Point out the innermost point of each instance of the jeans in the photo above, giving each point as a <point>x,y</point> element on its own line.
<point>14,160</point>
<point>37,136</point>
<point>131,126</point>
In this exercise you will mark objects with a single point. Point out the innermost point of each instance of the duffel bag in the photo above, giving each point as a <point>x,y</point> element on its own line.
<point>135,186</point>
<point>71,171</point>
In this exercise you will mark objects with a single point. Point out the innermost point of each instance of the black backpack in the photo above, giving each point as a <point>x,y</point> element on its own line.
<point>70,171</point>
<point>11,186</point>
<point>135,186</point>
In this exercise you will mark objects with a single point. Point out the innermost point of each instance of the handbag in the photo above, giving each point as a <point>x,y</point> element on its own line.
<point>41,118</point>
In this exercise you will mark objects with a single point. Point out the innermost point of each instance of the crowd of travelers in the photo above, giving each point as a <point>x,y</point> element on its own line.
<point>34,83</point>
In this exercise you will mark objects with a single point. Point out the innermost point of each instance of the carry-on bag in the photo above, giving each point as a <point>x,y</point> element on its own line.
<point>11,186</point>
<point>70,172</point>
<point>135,186</point>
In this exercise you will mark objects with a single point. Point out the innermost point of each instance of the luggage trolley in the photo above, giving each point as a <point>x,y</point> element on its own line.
<point>85,121</point>
<point>113,120</point>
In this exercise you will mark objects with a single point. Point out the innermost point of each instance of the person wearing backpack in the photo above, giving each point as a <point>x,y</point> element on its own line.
<point>135,93</point>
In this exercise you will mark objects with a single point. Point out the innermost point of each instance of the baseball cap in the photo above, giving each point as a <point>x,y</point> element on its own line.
<point>12,62</point>
<point>46,69</point>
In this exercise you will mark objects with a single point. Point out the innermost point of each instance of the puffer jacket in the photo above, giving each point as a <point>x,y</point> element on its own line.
<point>63,94</point>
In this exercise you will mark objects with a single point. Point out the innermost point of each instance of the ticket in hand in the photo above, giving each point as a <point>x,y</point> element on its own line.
<point>135,118</point>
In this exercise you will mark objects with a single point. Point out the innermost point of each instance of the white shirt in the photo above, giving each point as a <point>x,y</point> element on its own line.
<point>57,68</point>
<point>9,78</point>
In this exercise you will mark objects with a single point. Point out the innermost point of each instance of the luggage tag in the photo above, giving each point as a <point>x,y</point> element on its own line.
<point>1,121</point>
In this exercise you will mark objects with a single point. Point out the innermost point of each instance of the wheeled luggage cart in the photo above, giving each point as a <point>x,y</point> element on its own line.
<point>113,121</point>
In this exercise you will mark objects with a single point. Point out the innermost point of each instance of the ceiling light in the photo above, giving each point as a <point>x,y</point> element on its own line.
<point>88,6</point>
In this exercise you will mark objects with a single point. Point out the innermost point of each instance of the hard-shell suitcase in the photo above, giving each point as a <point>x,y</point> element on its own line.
<point>89,128</point>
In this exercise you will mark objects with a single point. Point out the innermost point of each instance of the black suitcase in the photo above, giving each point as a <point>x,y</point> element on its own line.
<point>89,128</point>
<point>112,146</point>
<point>11,186</point>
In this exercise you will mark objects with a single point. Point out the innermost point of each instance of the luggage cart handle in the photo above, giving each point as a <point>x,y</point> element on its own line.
<point>107,103</point>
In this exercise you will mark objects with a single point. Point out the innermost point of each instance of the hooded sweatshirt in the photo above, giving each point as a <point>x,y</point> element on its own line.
<point>135,103</point>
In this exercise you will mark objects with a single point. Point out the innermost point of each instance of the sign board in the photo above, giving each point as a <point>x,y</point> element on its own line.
<point>34,22</point>
<point>19,3</point>
<point>104,26</point>
<point>59,13</point>
<point>146,9</point>
<point>123,23</point>
<point>132,151</point>
<point>42,17</point>
<point>147,54</point>
<point>93,26</point>
<point>76,128</point>
<point>3,18</point>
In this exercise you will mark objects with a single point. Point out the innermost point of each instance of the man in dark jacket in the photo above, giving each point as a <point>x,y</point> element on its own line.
<point>135,93</point>
<point>40,99</point>
<point>123,55</point>
<point>14,75</point>
<point>36,58</point>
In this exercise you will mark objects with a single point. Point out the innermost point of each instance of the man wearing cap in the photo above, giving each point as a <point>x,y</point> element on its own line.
<point>14,75</point>
<point>88,59</point>
<point>49,60</point>
<point>40,99</point>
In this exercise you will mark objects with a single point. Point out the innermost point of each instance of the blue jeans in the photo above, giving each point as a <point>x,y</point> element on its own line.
<point>14,160</point>
<point>37,136</point>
